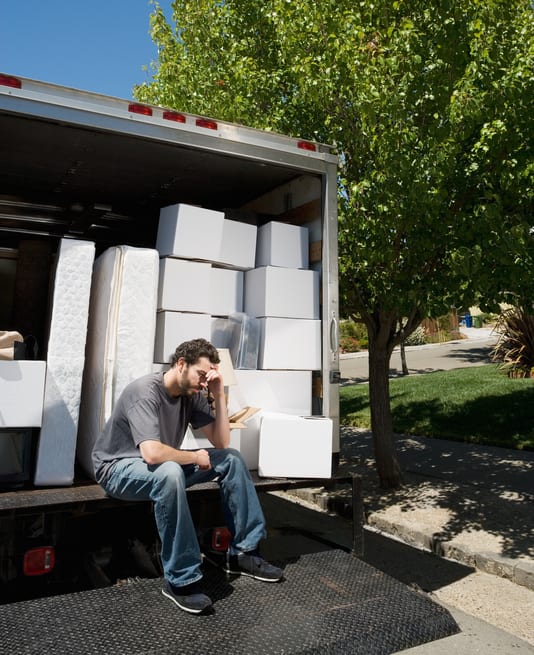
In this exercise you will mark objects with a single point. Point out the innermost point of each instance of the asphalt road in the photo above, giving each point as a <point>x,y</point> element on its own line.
<point>474,350</point>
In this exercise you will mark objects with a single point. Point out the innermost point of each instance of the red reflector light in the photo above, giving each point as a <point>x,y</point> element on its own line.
<point>39,561</point>
<point>9,80</point>
<point>306,145</point>
<point>205,122</point>
<point>174,116</point>
<point>220,539</point>
<point>140,109</point>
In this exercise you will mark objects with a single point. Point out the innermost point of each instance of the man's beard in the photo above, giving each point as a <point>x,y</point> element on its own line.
<point>187,389</point>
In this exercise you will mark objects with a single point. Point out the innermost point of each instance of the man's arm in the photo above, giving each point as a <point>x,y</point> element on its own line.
<point>155,452</point>
<point>218,432</point>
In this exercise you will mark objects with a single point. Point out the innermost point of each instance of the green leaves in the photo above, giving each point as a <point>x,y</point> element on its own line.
<point>429,105</point>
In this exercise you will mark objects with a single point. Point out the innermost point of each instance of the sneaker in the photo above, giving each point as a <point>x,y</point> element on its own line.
<point>188,598</point>
<point>253,565</point>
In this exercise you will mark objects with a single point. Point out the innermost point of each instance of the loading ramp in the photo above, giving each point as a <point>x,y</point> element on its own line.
<point>329,603</point>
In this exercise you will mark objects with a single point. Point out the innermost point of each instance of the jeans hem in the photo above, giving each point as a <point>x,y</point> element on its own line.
<point>184,584</point>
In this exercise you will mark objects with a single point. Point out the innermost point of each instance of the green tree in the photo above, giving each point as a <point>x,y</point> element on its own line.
<point>429,106</point>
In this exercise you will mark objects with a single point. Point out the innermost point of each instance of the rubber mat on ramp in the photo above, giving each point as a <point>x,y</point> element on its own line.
<point>329,603</point>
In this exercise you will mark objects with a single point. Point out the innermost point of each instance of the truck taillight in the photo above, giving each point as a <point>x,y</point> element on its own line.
<point>306,145</point>
<point>174,116</point>
<point>206,122</point>
<point>140,109</point>
<point>39,561</point>
<point>9,80</point>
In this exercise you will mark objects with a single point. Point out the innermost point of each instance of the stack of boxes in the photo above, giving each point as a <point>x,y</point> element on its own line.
<point>250,290</point>
<point>203,256</point>
<point>284,294</point>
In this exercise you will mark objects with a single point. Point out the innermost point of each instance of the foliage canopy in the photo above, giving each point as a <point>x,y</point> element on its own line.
<point>429,105</point>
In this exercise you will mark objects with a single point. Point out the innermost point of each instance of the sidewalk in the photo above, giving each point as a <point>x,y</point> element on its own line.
<point>469,503</point>
<point>473,504</point>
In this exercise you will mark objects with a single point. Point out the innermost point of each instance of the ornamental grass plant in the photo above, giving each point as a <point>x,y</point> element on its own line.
<point>514,351</point>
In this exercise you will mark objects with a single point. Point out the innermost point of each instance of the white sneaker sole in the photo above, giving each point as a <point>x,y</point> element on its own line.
<point>251,575</point>
<point>184,607</point>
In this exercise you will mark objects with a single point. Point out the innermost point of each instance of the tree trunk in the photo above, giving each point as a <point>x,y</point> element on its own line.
<point>403,358</point>
<point>387,465</point>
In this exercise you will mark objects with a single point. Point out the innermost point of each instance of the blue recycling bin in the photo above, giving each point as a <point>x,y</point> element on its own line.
<point>468,320</point>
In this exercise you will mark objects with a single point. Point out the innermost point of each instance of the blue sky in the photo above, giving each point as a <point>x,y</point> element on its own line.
<point>94,45</point>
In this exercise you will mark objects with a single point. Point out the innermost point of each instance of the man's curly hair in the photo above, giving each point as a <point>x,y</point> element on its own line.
<point>192,350</point>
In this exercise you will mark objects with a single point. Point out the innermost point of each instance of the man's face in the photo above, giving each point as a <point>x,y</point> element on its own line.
<point>192,377</point>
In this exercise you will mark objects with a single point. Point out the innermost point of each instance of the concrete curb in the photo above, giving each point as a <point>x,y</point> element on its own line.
<point>520,572</point>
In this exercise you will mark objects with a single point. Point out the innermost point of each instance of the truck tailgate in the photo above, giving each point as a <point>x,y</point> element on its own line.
<point>329,602</point>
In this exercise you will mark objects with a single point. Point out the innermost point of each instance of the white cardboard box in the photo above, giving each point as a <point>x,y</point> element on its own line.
<point>282,292</point>
<point>247,441</point>
<point>173,328</point>
<point>184,286</point>
<point>238,247</point>
<point>226,291</point>
<point>295,446</point>
<point>288,392</point>
<point>21,393</point>
<point>279,244</point>
<point>190,232</point>
<point>290,343</point>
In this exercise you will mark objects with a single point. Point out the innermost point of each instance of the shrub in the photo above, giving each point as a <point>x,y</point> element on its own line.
<point>416,338</point>
<point>352,336</point>
<point>514,350</point>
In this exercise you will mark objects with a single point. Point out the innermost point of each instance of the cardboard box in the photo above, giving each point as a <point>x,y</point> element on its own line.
<point>238,247</point>
<point>295,446</point>
<point>226,291</point>
<point>280,244</point>
<point>282,292</point>
<point>21,393</point>
<point>247,441</point>
<point>288,392</point>
<point>289,343</point>
<point>184,286</point>
<point>173,328</point>
<point>190,232</point>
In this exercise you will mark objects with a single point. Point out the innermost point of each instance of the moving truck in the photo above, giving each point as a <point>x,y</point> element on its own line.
<point>90,183</point>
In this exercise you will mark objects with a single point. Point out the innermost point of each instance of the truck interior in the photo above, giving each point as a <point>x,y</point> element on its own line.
<point>100,186</point>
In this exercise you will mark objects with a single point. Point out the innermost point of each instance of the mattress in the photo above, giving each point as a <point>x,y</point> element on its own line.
<point>120,340</point>
<point>65,362</point>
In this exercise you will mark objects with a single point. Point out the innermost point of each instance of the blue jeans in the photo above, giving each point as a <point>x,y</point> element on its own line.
<point>165,485</point>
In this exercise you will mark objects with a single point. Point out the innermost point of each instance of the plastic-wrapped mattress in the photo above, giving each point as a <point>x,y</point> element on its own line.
<point>120,340</point>
<point>65,362</point>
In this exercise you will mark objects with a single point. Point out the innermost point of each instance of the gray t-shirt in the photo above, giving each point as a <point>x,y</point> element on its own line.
<point>146,411</point>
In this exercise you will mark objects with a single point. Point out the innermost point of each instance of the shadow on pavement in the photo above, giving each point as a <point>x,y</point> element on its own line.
<point>473,489</point>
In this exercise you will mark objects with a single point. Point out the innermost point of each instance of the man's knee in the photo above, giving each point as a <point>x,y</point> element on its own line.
<point>228,459</point>
<point>169,475</point>
<point>234,453</point>
<point>230,455</point>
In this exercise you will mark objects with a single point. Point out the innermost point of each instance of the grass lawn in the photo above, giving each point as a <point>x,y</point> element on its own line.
<point>475,405</point>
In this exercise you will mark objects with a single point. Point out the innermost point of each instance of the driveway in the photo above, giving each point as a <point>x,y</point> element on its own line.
<point>474,350</point>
